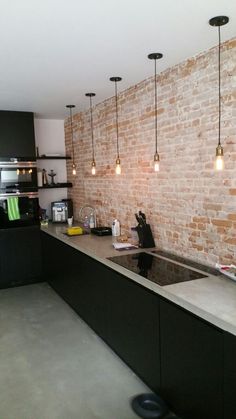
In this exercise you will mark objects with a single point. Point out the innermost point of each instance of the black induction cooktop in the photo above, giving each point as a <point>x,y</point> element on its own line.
<point>161,271</point>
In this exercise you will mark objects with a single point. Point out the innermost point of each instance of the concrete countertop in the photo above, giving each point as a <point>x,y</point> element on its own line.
<point>212,298</point>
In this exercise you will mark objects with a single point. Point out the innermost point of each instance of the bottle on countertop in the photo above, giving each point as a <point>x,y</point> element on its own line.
<point>91,221</point>
<point>115,228</point>
<point>86,221</point>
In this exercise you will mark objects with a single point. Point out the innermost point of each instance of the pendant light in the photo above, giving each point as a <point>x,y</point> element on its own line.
<point>93,165</point>
<point>72,140</point>
<point>219,160</point>
<point>156,56</point>
<point>118,165</point>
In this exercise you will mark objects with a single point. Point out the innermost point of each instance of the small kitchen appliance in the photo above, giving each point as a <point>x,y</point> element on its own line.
<point>101,231</point>
<point>61,210</point>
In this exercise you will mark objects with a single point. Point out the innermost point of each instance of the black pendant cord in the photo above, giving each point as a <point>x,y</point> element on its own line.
<point>155,61</point>
<point>72,139</point>
<point>117,130</point>
<point>219,86</point>
<point>91,121</point>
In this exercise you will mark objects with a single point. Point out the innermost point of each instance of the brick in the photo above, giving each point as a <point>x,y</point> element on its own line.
<point>231,241</point>
<point>222,223</point>
<point>200,220</point>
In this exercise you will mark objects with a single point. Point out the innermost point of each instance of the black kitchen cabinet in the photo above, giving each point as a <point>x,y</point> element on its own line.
<point>133,327</point>
<point>188,361</point>
<point>191,364</point>
<point>123,313</point>
<point>60,268</point>
<point>78,279</point>
<point>20,256</point>
<point>229,376</point>
<point>17,138</point>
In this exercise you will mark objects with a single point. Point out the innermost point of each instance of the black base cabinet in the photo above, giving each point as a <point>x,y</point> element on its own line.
<point>77,279</point>
<point>191,364</point>
<point>20,256</point>
<point>133,327</point>
<point>188,361</point>
<point>124,314</point>
<point>229,376</point>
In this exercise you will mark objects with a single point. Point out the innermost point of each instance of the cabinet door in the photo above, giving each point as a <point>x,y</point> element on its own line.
<point>20,256</point>
<point>17,134</point>
<point>78,279</point>
<point>60,267</point>
<point>92,300</point>
<point>191,364</point>
<point>229,376</point>
<point>133,325</point>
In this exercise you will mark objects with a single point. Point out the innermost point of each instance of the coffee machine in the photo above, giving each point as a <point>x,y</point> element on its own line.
<point>61,210</point>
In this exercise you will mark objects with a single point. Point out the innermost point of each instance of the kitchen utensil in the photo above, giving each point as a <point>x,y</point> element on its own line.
<point>143,217</point>
<point>137,217</point>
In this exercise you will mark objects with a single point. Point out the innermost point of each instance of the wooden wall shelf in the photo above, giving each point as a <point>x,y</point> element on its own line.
<point>57,185</point>
<point>53,157</point>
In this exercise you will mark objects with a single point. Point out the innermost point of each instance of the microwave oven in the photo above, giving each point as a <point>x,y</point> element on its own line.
<point>18,176</point>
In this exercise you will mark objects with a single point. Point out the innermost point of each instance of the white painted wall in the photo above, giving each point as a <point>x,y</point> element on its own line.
<point>49,138</point>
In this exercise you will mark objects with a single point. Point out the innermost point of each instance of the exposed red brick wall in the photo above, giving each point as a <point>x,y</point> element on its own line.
<point>191,208</point>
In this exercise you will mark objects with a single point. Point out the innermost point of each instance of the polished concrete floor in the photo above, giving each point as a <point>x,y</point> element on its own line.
<point>53,366</point>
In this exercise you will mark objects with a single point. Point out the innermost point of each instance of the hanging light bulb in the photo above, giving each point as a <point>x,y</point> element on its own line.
<point>156,162</point>
<point>219,159</point>
<point>72,140</point>
<point>156,56</point>
<point>73,169</point>
<point>93,165</point>
<point>118,164</point>
<point>93,168</point>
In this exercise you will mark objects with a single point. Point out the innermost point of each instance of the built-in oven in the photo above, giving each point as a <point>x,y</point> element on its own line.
<point>18,176</point>
<point>19,209</point>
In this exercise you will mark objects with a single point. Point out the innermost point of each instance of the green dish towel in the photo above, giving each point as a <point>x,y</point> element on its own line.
<point>13,208</point>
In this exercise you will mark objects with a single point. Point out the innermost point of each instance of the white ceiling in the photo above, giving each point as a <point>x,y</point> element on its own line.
<point>54,51</point>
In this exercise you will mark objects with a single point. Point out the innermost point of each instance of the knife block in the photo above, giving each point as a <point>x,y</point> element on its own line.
<point>145,236</point>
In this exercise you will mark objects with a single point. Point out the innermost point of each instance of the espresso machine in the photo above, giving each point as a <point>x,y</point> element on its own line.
<point>61,210</point>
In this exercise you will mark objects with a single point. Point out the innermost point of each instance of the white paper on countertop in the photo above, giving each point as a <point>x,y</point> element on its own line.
<point>124,246</point>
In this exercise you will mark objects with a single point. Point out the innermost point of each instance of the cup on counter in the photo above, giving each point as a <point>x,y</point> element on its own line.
<point>70,221</point>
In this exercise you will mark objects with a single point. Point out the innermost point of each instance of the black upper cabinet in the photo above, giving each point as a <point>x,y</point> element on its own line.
<point>17,137</point>
<point>191,364</point>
